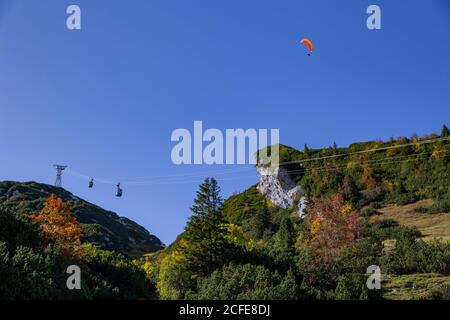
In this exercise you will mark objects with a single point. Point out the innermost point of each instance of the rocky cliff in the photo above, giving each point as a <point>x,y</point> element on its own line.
<point>277,186</point>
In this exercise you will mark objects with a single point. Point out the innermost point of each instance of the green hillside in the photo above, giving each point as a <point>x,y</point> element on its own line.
<point>368,180</point>
<point>103,228</point>
<point>388,208</point>
<point>365,207</point>
<point>404,171</point>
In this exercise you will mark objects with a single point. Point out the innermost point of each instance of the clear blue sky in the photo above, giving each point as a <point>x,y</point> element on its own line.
<point>104,100</point>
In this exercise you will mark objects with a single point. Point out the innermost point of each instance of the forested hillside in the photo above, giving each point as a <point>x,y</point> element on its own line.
<point>383,204</point>
<point>247,248</point>
<point>45,229</point>
<point>102,227</point>
<point>37,248</point>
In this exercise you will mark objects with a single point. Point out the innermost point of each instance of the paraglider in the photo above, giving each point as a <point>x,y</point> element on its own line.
<point>91,183</point>
<point>119,190</point>
<point>306,42</point>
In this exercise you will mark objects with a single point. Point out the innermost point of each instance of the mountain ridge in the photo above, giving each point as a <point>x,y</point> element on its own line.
<point>404,171</point>
<point>104,228</point>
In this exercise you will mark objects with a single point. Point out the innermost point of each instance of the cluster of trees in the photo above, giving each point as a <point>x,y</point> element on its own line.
<point>395,175</point>
<point>246,248</point>
<point>215,259</point>
<point>324,256</point>
<point>101,227</point>
<point>36,250</point>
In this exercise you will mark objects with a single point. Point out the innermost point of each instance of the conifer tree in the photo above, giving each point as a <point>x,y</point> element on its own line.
<point>306,150</point>
<point>445,132</point>
<point>205,232</point>
<point>261,221</point>
<point>283,244</point>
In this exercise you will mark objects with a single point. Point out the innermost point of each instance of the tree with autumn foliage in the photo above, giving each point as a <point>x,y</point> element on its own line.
<point>333,224</point>
<point>60,226</point>
<point>330,233</point>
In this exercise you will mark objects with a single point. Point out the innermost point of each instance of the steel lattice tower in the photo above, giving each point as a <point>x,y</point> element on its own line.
<point>59,170</point>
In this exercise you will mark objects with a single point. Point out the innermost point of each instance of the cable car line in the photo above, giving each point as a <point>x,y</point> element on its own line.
<point>177,179</point>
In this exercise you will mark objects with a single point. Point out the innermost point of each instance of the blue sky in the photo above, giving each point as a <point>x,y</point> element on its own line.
<point>105,100</point>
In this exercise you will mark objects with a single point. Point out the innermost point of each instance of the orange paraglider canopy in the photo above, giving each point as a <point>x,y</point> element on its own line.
<point>308,43</point>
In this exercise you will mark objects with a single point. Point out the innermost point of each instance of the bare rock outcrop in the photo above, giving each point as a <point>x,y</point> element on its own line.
<point>276,185</point>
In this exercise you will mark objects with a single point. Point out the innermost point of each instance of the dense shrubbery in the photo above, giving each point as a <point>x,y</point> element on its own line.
<point>247,248</point>
<point>368,211</point>
<point>400,176</point>
<point>30,274</point>
<point>292,263</point>
<point>417,256</point>
<point>390,229</point>
<point>276,255</point>
<point>34,259</point>
<point>353,287</point>
<point>438,206</point>
<point>251,282</point>
<point>16,231</point>
<point>442,293</point>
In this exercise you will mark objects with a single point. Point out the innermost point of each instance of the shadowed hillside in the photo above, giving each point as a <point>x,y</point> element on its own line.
<point>103,228</point>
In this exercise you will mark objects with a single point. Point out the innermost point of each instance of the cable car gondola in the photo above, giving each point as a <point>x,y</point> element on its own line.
<point>119,190</point>
<point>91,183</point>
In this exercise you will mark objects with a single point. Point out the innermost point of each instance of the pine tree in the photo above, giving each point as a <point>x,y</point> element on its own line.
<point>350,190</point>
<point>208,199</point>
<point>207,246</point>
<point>445,132</point>
<point>261,221</point>
<point>283,246</point>
<point>285,237</point>
<point>306,150</point>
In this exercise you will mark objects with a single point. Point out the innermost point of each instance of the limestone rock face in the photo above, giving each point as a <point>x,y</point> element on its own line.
<point>276,185</point>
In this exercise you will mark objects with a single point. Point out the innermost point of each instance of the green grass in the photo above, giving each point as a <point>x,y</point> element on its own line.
<point>423,286</point>
<point>430,225</point>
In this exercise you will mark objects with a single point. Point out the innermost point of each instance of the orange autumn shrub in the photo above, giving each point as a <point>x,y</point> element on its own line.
<point>60,226</point>
<point>332,225</point>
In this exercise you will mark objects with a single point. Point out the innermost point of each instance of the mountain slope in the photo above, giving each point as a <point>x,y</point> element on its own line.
<point>102,227</point>
<point>431,226</point>
<point>318,221</point>
<point>404,171</point>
